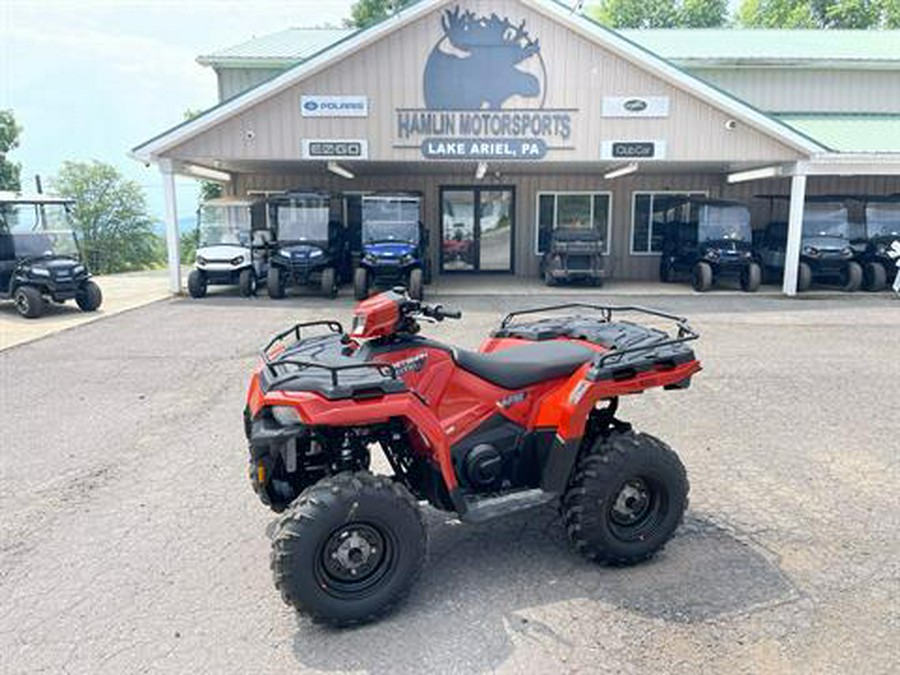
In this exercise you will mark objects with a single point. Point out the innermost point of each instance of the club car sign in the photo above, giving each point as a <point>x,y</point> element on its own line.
<point>484,87</point>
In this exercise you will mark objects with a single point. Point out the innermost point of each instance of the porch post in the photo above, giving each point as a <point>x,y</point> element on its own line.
<point>795,230</point>
<point>172,236</point>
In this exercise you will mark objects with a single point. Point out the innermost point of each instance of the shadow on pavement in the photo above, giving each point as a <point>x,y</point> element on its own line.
<point>492,579</point>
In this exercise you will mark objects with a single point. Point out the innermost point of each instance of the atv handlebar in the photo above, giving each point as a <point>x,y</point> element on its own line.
<point>438,313</point>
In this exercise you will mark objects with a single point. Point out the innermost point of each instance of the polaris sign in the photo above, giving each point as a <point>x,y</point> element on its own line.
<point>334,106</point>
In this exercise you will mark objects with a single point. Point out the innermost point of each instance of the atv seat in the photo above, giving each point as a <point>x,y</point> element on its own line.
<point>519,367</point>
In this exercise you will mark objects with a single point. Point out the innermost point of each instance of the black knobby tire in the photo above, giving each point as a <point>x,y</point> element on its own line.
<point>275,283</point>
<point>361,283</point>
<point>197,284</point>
<point>329,283</point>
<point>852,277</point>
<point>621,467</point>
<point>804,277</point>
<point>751,278</point>
<point>322,527</point>
<point>247,282</point>
<point>29,302</point>
<point>702,277</point>
<point>416,289</point>
<point>89,297</point>
<point>874,277</point>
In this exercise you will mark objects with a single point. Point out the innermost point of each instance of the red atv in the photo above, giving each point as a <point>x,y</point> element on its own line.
<point>526,420</point>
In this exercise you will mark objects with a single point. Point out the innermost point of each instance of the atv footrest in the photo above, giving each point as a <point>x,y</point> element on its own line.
<point>479,509</point>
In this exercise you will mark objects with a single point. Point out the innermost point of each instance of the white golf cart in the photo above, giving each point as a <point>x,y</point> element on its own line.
<point>233,243</point>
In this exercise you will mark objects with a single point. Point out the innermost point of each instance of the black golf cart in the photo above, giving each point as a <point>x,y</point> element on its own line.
<point>310,246</point>
<point>575,255</point>
<point>826,254</point>
<point>40,256</point>
<point>880,228</point>
<point>393,246</point>
<point>707,240</point>
<point>233,240</point>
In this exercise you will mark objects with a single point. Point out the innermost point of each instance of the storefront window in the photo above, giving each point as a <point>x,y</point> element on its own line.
<point>648,216</point>
<point>572,211</point>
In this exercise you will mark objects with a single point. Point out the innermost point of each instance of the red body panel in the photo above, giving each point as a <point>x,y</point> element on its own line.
<point>447,403</point>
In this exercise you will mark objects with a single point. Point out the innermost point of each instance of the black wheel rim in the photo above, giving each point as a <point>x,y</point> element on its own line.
<point>637,508</point>
<point>355,559</point>
<point>22,303</point>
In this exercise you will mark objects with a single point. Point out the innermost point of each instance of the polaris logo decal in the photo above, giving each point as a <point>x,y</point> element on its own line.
<point>413,364</point>
<point>512,399</point>
<point>635,105</point>
<point>334,106</point>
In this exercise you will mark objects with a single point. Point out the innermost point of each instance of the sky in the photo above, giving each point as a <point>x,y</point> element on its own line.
<point>91,79</point>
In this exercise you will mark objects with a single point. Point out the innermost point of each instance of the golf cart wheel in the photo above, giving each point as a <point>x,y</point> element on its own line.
<point>416,289</point>
<point>349,548</point>
<point>329,283</point>
<point>852,277</point>
<point>874,277</point>
<point>626,499</point>
<point>89,297</point>
<point>275,283</point>
<point>197,284</point>
<point>29,302</point>
<point>804,277</point>
<point>751,278</point>
<point>360,283</point>
<point>702,277</point>
<point>247,282</point>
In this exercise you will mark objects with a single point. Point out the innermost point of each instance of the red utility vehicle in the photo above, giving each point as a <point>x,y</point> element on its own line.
<point>527,420</point>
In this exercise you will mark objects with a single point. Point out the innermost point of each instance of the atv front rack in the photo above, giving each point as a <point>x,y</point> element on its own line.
<point>631,348</point>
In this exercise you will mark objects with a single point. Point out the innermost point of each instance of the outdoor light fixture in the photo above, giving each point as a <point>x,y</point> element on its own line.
<point>480,170</point>
<point>621,171</point>
<point>208,174</point>
<point>754,174</point>
<point>339,170</point>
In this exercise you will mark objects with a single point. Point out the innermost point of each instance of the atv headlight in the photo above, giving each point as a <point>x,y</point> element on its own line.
<point>711,255</point>
<point>810,251</point>
<point>405,259</point>
<point>237,260</point>
<point>201,260</point>
<point>285,415</point>
<point>40,272</point>
<point>78,269</point>
<point>284,253</point>
<point>847,252</point>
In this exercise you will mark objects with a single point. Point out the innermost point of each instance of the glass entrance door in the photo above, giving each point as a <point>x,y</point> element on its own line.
<point>477,229</point>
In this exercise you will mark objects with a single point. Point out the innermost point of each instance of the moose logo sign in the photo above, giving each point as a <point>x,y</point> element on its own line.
<point>481,63</point>
<point>484,88</point>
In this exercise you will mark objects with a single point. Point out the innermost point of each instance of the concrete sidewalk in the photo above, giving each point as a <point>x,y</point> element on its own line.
<point>121,292</point>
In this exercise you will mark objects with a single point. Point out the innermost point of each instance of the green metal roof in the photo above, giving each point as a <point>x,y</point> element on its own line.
<point>847,132</point>
<point>761,46</point>
<point>284,48</point>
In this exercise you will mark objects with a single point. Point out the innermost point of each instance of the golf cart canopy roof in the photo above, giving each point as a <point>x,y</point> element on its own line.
<point>231,201</point>
<point>290,195</point>
<point>7,197</point>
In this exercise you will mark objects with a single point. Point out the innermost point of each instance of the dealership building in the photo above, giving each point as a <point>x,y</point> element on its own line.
<point>513,117</point>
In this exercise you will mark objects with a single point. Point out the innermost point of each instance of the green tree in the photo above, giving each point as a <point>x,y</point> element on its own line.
<point>364,13</point>
<point>110,217</point>
<point>10,172</point>
<point>819,13</point>
<point>187,246</point>
<point>660,13</point>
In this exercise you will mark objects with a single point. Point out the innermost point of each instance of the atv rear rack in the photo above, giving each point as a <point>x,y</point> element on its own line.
<point>620,363</point>
<point>334,326</point>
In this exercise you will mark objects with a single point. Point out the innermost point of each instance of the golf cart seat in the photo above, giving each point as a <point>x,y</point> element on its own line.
<point>523,366</point>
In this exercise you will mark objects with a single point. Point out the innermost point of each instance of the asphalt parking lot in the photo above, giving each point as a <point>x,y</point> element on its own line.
<point>130,540</point>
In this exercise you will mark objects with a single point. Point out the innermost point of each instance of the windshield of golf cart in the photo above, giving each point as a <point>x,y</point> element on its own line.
<point>724,223</point>
<point>826,219</point>
<point>222,224</point>
<point>883,220</point>
<point>387,219</point>
<point>303,219</point>
<point>38,229</point>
